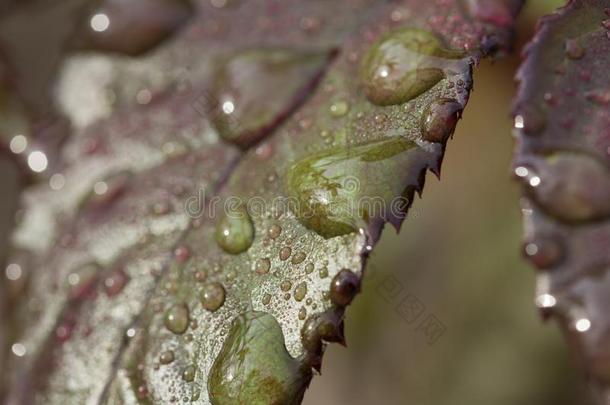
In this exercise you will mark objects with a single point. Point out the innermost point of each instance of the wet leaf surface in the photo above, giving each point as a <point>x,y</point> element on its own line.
<point>166,260</point>
<point>562,123</point>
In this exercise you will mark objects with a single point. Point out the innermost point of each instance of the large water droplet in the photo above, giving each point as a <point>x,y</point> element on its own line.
<point>240,106</point>
<point>254,367</point>
<point>544,251</point>
<point>235,231</point>
<point>341,190</point>
<point>177,318</point>
<point>572,187</point>
<point>133,26</point>
<point>440,119</point>
<point>404,64</point>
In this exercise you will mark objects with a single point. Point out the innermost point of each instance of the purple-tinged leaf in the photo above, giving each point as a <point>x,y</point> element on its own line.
<point>168,265</point>
<point>562,121</point>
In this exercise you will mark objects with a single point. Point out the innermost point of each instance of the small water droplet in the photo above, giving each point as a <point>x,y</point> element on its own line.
<point>37,161</point>
<point>115,282</point>
<point>13,272</point>
<point>274,231</point>
<point>573,49</point>
<point>531,120</point>
<point>299,257</point>
<point>582,325</point>
<point>212,296</point>
<point>189,372</point>
<point>309,267</point>
<point>263,265</point>
<point>18,144</point>
<point>285,253</point>
<point>235,231</point>
<point>166,357</point>
<point>266,299</point>
<point>343,287</point>
<point>286,285</point>
<point>404,64</point>
<point>177,318</point>
<point>300,291</point>
<point>323,273</point>
<point>182,253</point>
<point>339,108</point>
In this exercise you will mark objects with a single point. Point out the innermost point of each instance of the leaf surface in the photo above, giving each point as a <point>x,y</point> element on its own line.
<point>220,193</point>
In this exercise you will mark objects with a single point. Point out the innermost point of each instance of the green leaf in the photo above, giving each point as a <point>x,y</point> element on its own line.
<point>220,194</point>
<point>562,125</point>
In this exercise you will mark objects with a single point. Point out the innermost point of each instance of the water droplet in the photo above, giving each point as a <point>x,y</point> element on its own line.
<point>18,349</point>
<point>13,272</point>
<point>189,372</point>
<point>440,120</point>
<point>212,296</point>
<point>18,144</point>
<point>235,231</point>
<point>323,273</point>
<point>341,190</point>
<point>285,253</point>
<point>300,291</point>
<point>107,191</point>
<point>37,161</point>
<point>299,257</point>
<point>309,267</point>
<point>572,187</point>
<point>286,285</point>
<point>177,318</point>
<point>99,22</point>
<point>244,80</point>
<point>343,287</point>
<point>133,27</point>
<point>543,251</point>
<point>263,265</point>
<point>302,313</point>
<point>573,49</point>
<point>404,64</point>
<point>57,181</point>
<point>166,357</point>
<point>182,254</point>
<point>274,231</point>
<point>339,108</point>
<point>254,367</point>
<point>327,327</point>
<point>115,282</point>
<point>582,325</point>
<point>531,120</point>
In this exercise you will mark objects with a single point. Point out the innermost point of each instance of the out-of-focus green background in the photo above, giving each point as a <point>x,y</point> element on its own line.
<point>459,254</point>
